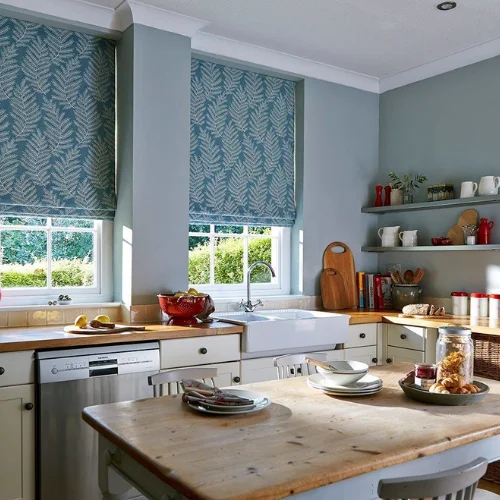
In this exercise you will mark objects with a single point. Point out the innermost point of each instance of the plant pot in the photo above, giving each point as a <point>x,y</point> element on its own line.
<point>396,197</point>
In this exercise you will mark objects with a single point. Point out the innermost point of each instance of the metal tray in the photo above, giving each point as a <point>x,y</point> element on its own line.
<point>442,399</point>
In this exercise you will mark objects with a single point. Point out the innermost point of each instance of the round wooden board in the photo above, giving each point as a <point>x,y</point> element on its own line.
<point>103,331</point>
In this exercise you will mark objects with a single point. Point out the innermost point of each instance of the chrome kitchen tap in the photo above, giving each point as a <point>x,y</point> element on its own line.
<point>248,306</point>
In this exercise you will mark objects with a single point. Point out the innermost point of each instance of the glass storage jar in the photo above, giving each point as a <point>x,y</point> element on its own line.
<point>455,355</point>
<point>404,295</point>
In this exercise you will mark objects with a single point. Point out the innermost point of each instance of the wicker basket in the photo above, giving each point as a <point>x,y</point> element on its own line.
<point>487,364</point>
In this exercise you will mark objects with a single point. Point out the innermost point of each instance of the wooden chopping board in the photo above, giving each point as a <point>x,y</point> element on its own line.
<point>456,233</point>
<point>333,292</point>
<point>103,331</point>
<point>421,316</point>
<point>468,217</point>
<point>342,264</point>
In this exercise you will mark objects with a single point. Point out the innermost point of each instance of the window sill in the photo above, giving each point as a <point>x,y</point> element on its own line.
<point>73,305</point>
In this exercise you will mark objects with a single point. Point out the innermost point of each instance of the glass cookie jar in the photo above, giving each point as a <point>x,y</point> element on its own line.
<point>455,355</point>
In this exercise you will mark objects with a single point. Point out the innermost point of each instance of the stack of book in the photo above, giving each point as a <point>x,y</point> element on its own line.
<point>374,290</point>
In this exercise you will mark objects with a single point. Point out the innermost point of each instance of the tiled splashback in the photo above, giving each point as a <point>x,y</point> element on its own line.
<point>152,313</point>
<point>64,315</point>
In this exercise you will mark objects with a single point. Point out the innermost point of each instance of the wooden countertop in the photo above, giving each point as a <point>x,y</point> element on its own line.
<point>304,440</point>
<point>31,338</point>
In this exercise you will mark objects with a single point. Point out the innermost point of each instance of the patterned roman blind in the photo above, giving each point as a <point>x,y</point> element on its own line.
<point>242,147</point>
<point>57,122</point>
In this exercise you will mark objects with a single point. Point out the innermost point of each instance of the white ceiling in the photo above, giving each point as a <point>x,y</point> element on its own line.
<point>392,42</point>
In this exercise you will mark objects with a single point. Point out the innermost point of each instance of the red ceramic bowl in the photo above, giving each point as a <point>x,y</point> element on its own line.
<point>436,241</point>
<point>446,241</point>
<point>182,307</point>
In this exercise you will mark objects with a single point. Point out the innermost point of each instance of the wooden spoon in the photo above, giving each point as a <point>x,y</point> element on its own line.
<point>408,276</point>
<point>321,364</point>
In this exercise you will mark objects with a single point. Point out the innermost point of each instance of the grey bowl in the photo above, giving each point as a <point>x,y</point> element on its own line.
<point>442,399</point>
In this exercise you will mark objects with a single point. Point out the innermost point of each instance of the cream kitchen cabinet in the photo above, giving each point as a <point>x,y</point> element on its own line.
<point>411,344</point>
<point>17,442</point>
<point>364,344</point>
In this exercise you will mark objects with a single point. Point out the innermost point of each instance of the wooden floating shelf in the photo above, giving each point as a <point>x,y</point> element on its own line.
<point>430,205</point>
<point>440,248</point>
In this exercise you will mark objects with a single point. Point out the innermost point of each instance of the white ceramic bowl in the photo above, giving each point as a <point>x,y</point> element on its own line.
<point>346,373</point>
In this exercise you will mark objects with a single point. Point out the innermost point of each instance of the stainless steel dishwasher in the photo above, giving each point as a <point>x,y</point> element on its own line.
<point>68,381</point>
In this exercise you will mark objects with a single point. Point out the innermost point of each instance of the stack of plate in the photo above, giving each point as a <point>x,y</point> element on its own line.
<point>366,386</point>
<point>259,403</point>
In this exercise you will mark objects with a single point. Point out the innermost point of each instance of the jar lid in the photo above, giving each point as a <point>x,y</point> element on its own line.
<point>459,294</point>
<point>479,295</point>
<point>494,296</point>
<point>454,330</point>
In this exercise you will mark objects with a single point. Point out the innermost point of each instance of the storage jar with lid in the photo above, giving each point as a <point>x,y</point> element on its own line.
<point>459,303</point>
<point>404,295</point>
<point>494,306</point>
<point>479,305</point>
<point>455,355</point>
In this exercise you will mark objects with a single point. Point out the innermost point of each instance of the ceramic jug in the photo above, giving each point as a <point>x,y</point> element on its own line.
<point>389,236</point>
<point>409,238</point>
<point>488,185</point>
<point>483,231</point>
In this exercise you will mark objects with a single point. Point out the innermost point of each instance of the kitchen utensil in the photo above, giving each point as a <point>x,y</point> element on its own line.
<point>319,363</point>
<point>389,236</point>
<point>378,199</point>
<point>468,189</point>
<point>446,242</point>
<point>483,231</point>
<point>341,378</point>
<point>99,324</point>
<point>102,331</point>
<point>408,238</point>
<point>468,217</point>
<point>338,256</point>
<point>418,276</point>
<point>260,402</point>
<point>405,294</point>
<point>397,278</point>
<point>181,307</point>
<point>442,399</point>
<point>331,389</point>
<point>470,234</point>
<point>387,199</point>
<point>408,276</point>
<point>333,293</point>
<point>456,235</point>
<point>488,185</point>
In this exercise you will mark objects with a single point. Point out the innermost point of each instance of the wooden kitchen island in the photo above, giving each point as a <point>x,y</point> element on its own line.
<point>306,444</point>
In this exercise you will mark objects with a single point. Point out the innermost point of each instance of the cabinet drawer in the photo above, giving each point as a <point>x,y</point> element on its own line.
<point>17,368</point>
<point>199,351</point>
<point>362,335</point>
<point>407,337</point>
<point>399,355</point>
<point>366,355</point>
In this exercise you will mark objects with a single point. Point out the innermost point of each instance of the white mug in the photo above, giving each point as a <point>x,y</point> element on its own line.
<point>409,238</point>
<point>389,236</point>
<point>488,185</point>
<point>468,190</point>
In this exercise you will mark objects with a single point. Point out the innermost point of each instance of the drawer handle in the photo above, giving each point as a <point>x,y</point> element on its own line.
<point>2,370</point>
<point>374,360</point>
<point>362,335</point>
<point>403,336</point>
<point>28,406</point>
<point>237,379</point>
<point>389,360</point>
<point>203,350</point>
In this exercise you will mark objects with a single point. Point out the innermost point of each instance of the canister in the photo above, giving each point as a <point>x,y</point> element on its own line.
<point>455,355</point>
<point>459,303</point>
<point>494,306</point>
<point>479,305</point>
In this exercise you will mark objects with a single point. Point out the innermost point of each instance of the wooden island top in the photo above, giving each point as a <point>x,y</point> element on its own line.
<point>304,440</point>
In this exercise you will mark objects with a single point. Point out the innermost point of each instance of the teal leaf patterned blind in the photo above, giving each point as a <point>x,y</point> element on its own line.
<point>242,147</point>
<point>57,122</point>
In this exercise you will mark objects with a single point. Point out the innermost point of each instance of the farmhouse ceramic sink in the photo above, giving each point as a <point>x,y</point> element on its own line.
<point>276,330</point>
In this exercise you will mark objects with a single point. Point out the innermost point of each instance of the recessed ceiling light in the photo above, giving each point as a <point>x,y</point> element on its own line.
<point>447,5</point>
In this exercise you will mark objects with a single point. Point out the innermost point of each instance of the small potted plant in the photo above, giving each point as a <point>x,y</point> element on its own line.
<point>406,185</point>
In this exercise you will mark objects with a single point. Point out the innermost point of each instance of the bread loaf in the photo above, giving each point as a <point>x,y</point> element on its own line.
<point>419,309</point>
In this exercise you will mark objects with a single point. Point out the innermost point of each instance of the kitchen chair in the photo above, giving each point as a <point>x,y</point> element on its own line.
<point>454,484</point>
<point>293,365</point>
<point>176,376</point>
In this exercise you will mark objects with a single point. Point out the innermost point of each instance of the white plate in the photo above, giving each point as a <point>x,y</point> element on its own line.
<point>367,382</point>
<point>260,402</point>
<point>331,392</point>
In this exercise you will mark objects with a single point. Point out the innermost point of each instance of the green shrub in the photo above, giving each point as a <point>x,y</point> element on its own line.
<point>229,261</point>
<point>65,273</point>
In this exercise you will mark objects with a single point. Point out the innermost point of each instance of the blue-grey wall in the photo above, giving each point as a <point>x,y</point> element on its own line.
<point>448,128</point>
<point>337,157</point>
<point>151,230</point>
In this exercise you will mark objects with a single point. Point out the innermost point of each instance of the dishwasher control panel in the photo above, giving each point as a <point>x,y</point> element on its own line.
<point>99,364</point>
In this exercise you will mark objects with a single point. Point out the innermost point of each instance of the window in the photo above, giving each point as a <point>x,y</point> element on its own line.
<point>219,257</point>
<point>46,256</point>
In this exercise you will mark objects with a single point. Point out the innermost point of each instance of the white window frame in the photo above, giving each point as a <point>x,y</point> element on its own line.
<point>278,286</point>
<point>101,292</point>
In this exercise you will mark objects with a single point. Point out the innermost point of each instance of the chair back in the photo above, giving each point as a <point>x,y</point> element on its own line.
<point>293,365</point>
<point>170,377</point>
<point>454,484</point>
